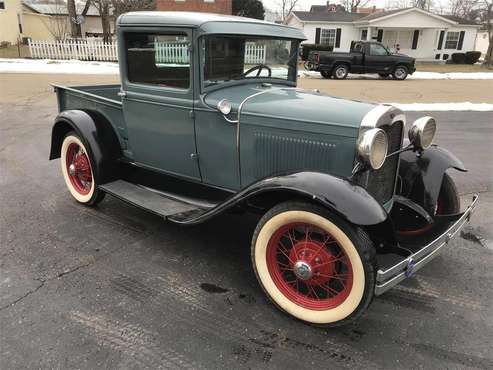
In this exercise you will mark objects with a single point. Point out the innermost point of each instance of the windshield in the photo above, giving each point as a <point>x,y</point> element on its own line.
<point>227,58</point>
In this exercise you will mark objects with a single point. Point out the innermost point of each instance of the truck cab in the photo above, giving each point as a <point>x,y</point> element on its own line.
<point>363,57</point>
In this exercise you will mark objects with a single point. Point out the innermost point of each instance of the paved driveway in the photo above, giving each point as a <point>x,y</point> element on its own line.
<point>114,287</point>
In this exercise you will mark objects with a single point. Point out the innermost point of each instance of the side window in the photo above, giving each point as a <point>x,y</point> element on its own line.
<point>376,49</point>
<point>158,59</point>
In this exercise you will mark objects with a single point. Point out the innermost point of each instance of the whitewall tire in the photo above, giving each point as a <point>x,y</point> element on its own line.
<point>77,171</point>
<point>312,265</point>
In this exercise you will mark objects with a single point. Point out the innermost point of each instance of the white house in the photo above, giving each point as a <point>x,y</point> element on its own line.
<point>411,31</point>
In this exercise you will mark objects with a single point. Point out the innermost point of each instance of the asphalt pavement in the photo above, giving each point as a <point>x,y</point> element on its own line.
<point>114,287</point>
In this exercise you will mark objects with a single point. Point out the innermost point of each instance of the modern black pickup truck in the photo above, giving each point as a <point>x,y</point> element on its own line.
<point>364,57</point>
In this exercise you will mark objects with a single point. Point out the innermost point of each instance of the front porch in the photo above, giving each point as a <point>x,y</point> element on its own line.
<point>421,44</point>
<point>418,33</point>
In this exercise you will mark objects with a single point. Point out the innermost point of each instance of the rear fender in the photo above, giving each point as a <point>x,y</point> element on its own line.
<point>421,176</point>
<point>98,137</point>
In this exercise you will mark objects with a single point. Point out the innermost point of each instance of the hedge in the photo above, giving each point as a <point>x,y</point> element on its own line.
<point>306,48</point>
<point>459,58</point>
<point>472,57</point>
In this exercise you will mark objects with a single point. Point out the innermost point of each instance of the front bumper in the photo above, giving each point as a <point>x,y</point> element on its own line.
<point>394,275</point>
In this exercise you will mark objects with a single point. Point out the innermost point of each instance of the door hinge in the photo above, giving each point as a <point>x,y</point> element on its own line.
<point>194,156</point>
<point>191,114</point>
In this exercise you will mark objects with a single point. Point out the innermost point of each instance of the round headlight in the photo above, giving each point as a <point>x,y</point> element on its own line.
<point>224,106</point>
<point>373,146</point>
<point>422,132</point>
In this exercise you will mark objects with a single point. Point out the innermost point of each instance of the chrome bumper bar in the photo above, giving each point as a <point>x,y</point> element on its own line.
<point>404,269</point>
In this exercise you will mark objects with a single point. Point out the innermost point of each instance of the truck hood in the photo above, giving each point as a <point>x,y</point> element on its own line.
<point>291,104</point>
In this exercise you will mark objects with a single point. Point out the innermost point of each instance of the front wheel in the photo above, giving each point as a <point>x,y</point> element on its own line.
<point>313,265</point>
<point>400,73</point>
<point>77,171</point>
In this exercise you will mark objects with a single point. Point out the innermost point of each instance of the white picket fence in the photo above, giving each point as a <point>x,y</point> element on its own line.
<point>254,53</point>
<point>172,52</point>
<point>176,52</point>
<point>73,49</point>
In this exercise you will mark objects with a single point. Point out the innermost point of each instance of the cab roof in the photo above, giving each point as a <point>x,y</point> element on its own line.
<point>210,23</point>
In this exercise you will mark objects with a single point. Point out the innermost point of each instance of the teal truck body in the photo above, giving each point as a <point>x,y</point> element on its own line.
<point>208,119</point>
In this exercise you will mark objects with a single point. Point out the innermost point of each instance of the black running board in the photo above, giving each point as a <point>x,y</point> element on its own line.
<point>152,201</point>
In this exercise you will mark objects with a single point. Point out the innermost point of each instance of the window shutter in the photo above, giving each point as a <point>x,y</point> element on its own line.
<point>440,40</point>
<point>380,35</point>
<point>317,36</point>
<point>461,40</point>
<point>338,38</point>
<point>415,39</point>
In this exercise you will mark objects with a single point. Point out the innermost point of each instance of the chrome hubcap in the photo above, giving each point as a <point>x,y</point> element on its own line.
<point>340,72</point>
<point>302,270</point>
<point>71,169</point>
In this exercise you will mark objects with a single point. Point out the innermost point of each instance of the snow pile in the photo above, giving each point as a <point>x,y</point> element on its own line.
<point>415,76</point>
<point>56,66</point>
<point>445,107</point>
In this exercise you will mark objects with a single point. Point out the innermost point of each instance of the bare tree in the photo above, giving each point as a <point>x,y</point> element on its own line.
<point>286,7</point>
<point>353,5</point>
<point>487,20</point>
<point>103,7</point>
<point>468,9</point>
<point>57,24</point>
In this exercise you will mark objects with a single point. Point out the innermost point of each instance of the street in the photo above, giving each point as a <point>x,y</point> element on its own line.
<point>114,287</point>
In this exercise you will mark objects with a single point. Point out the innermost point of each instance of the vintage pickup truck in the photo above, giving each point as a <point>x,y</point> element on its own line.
<point>208,119</point>
<point>363,57</point>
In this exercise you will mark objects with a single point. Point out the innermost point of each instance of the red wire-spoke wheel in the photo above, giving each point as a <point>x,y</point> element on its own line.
<point>78,168</point>
<point>309,267</point>
<point>312,264</point>
<point>77,171</point>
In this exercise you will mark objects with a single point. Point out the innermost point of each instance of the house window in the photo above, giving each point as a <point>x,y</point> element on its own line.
<point>328,36</point>
<point>158,59</point>
<point>452,40</point>
<point>2,4</point>
<point>364,35</point>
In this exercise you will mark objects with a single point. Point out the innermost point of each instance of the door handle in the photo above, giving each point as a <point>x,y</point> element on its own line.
<point>122,94</point>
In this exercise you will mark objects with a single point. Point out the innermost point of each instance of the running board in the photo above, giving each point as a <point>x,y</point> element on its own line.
<point>151,200</point>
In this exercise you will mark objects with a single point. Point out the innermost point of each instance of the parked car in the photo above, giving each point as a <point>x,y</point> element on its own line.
<point>364,57</point>
<point>208,119</point>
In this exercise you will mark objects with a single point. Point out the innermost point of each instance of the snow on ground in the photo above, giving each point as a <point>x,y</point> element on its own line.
<point>414,76</point>
<point>56,66</point>
<point>92,67</point>
<point>83,67</point>
<point>445,107</point>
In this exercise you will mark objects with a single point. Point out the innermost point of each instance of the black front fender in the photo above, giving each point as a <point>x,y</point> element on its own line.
<point>350,201</point>
<point>421,176</point>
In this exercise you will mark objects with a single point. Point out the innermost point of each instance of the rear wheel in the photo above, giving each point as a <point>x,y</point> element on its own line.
<point>77,171</point>
<point>340,72</point>
<point>313,265</point>
<point>325,74</point>
<point>400,73</point>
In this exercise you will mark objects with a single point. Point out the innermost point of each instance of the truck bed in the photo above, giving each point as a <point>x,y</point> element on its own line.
<point>102,99</point>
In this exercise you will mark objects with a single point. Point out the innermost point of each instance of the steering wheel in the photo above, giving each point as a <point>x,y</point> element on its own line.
<point>258,68</point>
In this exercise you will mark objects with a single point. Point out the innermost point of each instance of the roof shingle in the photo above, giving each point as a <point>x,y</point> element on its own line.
<point>328,17</point>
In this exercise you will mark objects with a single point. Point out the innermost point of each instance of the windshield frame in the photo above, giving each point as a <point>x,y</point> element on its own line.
<point>256,80</point>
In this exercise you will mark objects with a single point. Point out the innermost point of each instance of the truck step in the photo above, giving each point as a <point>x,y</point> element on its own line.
<point>148,199</point>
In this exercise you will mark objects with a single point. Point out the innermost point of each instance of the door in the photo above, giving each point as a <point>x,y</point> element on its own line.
<point>377,59</point>
<point>158,100</point>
